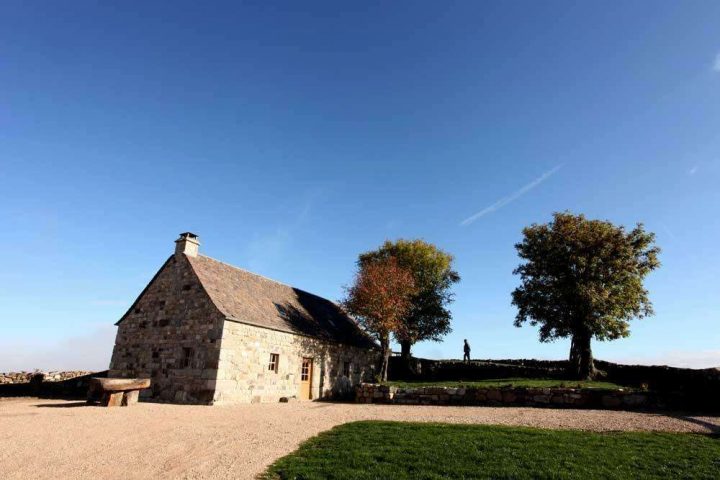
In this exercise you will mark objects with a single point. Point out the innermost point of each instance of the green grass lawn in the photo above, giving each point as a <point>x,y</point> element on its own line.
<point>394,450</point>
<point>515,382</point>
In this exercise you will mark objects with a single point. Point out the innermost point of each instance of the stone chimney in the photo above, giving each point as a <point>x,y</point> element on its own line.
<point>188,244</point>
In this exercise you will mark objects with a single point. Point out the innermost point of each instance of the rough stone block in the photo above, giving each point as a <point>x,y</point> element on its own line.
<point>114,399</point>
<point>509,396</point>
<point>610,401</point>
<point>130,398</point>
<point>635,400</point>
<point>494,395</point>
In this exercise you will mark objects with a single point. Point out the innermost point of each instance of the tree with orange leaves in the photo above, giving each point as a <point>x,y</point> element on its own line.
<point>379,299</point>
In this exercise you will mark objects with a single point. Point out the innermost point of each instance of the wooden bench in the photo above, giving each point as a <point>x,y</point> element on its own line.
<point>116,392</point>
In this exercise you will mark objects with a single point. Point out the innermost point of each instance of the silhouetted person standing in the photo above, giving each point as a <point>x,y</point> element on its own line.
<point>466,350</point>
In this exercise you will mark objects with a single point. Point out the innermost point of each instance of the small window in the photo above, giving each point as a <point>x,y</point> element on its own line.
<point>347,369</point>
<point>274,362</point>
<point>187,355</point>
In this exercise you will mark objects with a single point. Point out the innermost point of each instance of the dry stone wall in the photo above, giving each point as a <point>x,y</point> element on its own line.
<point>9,378</point>
<point>511,396</point>
<point>55,384</point>
<point>430,370</point>
<point>679,388</point>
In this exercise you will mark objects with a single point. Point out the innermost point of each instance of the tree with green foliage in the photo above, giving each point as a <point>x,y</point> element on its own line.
<point>432,269</point>
<point>582,279</point>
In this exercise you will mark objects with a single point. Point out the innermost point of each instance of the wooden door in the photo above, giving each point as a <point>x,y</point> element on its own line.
<point>306,379</point>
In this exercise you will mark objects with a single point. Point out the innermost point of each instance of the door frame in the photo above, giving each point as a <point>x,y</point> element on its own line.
<point>309,377</point>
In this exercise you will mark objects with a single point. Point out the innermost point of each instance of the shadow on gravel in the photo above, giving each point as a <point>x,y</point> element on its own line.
<point>714,428</point>
<point>64,405</point>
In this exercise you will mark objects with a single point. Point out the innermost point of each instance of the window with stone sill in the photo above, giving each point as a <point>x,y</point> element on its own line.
<point>347,369</point>
<point>274,362</point>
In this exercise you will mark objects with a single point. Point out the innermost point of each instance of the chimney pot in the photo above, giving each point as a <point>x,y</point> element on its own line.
<point>187,244</point>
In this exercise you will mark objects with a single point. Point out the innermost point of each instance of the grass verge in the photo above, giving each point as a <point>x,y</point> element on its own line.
<point>399,451</point>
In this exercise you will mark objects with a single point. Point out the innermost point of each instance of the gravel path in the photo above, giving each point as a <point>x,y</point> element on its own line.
<point>60,439</point>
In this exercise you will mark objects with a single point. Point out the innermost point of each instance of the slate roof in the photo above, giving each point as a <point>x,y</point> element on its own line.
<point>253,299</point>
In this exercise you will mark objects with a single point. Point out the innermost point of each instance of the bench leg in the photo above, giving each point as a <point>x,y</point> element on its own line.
<point>114,399</point>
<point>130,398</point>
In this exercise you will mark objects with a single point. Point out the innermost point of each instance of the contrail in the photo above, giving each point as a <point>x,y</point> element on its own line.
<point>514,196</point>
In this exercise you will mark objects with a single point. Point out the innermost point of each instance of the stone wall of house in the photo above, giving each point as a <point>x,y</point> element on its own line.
<point>172,336</point>
<point>244,374</point>
<point>511,396</point>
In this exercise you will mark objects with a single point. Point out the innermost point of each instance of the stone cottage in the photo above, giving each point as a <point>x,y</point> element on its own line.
<point>207,332</point>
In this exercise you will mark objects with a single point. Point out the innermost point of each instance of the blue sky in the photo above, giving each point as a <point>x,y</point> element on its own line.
<point>293,136</point>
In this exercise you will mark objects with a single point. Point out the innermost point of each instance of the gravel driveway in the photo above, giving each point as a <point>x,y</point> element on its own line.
<point>60,439</point>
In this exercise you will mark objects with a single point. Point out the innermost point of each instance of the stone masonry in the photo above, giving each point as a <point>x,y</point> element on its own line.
<point>10,378</point>
<point>244,375</point>
<point>172,336</point>
<point>515,396</point>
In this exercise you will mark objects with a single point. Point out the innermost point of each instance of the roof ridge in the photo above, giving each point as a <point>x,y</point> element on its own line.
<point>266,278</point>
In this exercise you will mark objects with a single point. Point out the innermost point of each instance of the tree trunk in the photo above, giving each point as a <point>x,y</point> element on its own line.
<point>581,359</point>
<point>385,347</point>
<point>573,360</point>
<point>405,346</point>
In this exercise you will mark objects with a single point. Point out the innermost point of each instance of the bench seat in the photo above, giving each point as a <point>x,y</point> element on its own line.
<point>114,392</point>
